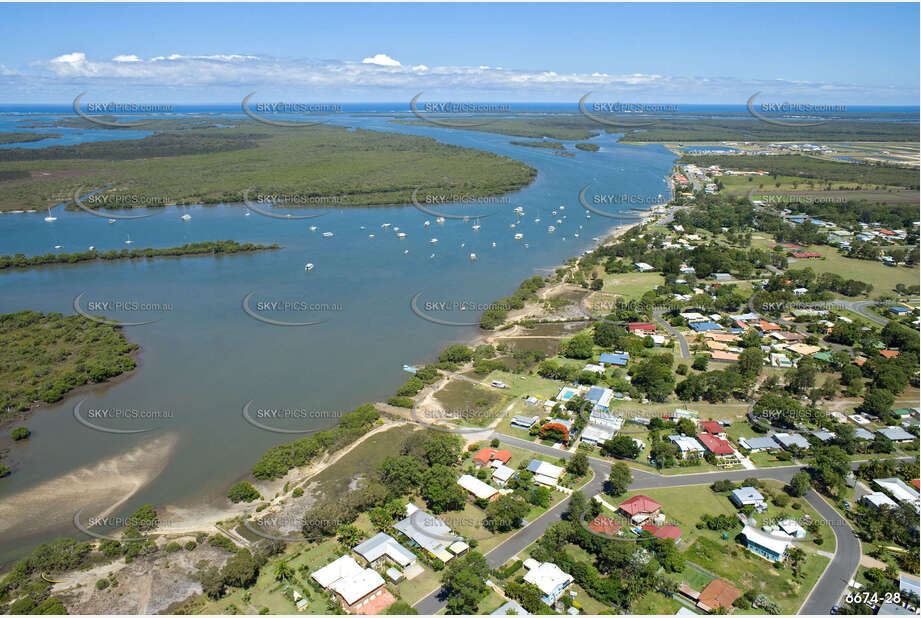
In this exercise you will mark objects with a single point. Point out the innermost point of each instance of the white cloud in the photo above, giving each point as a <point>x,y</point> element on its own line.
<point>382,60</point>
<point>126,58</point>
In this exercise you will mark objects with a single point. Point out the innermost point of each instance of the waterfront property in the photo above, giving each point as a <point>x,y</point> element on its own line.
<point>381,548</point>
<point>358,590</point>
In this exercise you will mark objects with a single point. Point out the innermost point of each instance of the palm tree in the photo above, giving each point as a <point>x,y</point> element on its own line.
<point>283,571</point>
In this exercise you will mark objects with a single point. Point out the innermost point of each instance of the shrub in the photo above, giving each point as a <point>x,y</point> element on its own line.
<point>401,402</point>
<point>242,492</point>
<point>191,545</point>
<point>172,547</point>
<point>298,492</point>
<point>20,433</point>
<point>102,584</point>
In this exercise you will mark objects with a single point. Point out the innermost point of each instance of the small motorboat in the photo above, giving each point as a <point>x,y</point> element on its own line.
<point>473,257</point>
<point>327,234</point>
<point>440,220</point>
<point>396,229</point>
<point>246,214</point>
<point>433,241</point>
<point>537,220</point>
<point>427,223</point>
<point>92,248</point>
<point>186,217</point>
<point>401,235</point>
<point>57,246</point>
<point>113,220</point>
<point>405,251</point>
<point>385,225</point>
<point>313,228</point>
<point>494,244</point>
<point>308,267</point>
<point>550,228</point>
<point>519,236</point>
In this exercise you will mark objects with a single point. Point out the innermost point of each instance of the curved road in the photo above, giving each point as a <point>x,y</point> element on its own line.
<point>682,342</point>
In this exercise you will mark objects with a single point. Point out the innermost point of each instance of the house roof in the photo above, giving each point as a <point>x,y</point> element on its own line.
<point>639,504</point>
<point>597,433</point>
<point>382,544</point>
<point>358,585</point>
<point>879,499</point>
<point>711,427</point>
<point>746,495</point>
<point>478,488</point>
<point>686,443</point>
<point>704,326</point>
<point>548,577</point>
<point>772,543</point>
<point>545,469</point>
<point>641,326</point>
<point>901,490</point>
<point>896,434</point>
<point>724,356</point>
<point>604,525</point>
<point>715,445</point>
<point>428,531</point>
<point>487,454</point>
<point>719,593</point>
<point>614,358</point>
<point>791,439</point>
<point>340,568</point>
<point>503,473</point>
<point>515,608</point>
<point>759,442</point>
<point>888,353</point>
<point>667,531</point>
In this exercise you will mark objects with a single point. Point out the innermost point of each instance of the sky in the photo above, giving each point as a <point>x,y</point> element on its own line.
<point>821,53</point>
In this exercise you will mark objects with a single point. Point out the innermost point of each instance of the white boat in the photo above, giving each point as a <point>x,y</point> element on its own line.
<point>473,257</point>
<point>525,245</point>
<point>327,234</point>
<point>512,226</point>
<point>588,216</point>
<point>433,241</point>
<point>440,220</point>
<point>432,257</point>
<point>186,217</point>
<point>519,210</point>
<point>537,220</point>
<point>308,267</point>
<point>385,225</point>
<point>396,229</point>
<point>401,235</point>
<point>129,242</point>
<point>475,226</point>
<point>550,228</point>
<point>370,235</point>
<point>246,214</point>
<point>113,220</point>
<point>494,244</point>
<point>463,244</point>
<point>361,228</point>
<point>553,213</point>
<point>57,246</point>
<point>313,228</point>
<point>50,218</point>
<point>519,236</point>
<point>405,251</point>
<point>92,248</point>
<point>559,221</point>
<point>562,208</point>
<point>575,235</point>
<point>427,223</point>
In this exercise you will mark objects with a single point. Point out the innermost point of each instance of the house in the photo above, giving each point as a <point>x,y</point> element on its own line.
<point>712,427</point>
<point>550,579</point>
<point>641,328</point>
<point>823,435</point>
<point>667,531</point>
<point>862,434</point>
<point>780,360</point>
<point>477,488</point>
<point>792,528</point>
<point>718,594</point>
<point>878,500</point>
<point>485,456</point>
<point>800,291</point>
<point>524,421</point>
<point>791,440</point>
<point>594,368</point>
<point>899,489</point>
<point>745,496</point>
<point>512,607</point>
<point>600,397</point>
<point>618,359</point>
<point>715,445</point>
<point>765,545</point>
<point>719,355</point>
<point>342,567</point>
<point>382,548</point>
<point>758,444</point>
<point>603,524</point>
<point>805,349</point>
<point>889,353</point>
<point>899,310</point>
<point>892,609</point>
<point>358,593</point>
<point>909,585</point>
<point>502,474</point>
<point>693,316</point>
<point>607,419</point>
<point>643,267</point>
<point>680,413</point>
<point>722,276</point>
<point>766,327</point>
<point>639,508</point>
<point>896,434</point>
<point>545,473</point>
<point>701,327</point>
<point>596,434</point>
<point>428,532</point>
<point>686,444</point>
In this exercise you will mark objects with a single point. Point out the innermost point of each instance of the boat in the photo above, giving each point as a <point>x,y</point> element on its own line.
<point>361,227</point>
<point>396,229</point>
<point>129,242</point>
<point>519,236</point>
<point>385,225</point>
<point>50,218</point>
<point>370,235</point>
<point>433,241</point>
<point>463,244</point>
<point>440,220</point>
<point>432,257</point>
<point>409,369</point>
<point>186,217</point>
<point>575,235</point>
<point>113,220</point>
<point>494,244</point>
<point>519,210</point>
<point>308,267</point>
<point>57,246</point>
<point>553,213</point>
<point>405,251</point>
<point>473,257</point>
<point>313,228</point>
<point>559,221</point>
<point>92,248</point>
<point>562,208</point>
<point>246,214</point>
<point>550,228</point>
<point>401,235</point>
<point>512,226</point>
<point>525,245</point>
<point>537,220</point>
<point>475,226</point>
<point>327,234</point>
<point>427,223</point>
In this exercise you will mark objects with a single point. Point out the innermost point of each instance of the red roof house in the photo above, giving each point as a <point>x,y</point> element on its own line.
<point>640,506</point>
<point>712,427</point>
<point>715,445</point>
<point>667,531</point>
<point>641,326</point>
<point>888,353</point>
<point>487,455</point>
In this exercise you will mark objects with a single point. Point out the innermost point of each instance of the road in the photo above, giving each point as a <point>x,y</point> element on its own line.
<point>682,342</point>
<point>841,569</point>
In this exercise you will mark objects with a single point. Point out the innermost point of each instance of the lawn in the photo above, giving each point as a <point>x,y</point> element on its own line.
<point>471,403</point>
<point>624,285</point>
<point>655,604</point>
<point>490,603</point>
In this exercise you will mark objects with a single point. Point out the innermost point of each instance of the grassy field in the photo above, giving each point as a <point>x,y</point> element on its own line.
<point>656,604</point>
<point>624,286</point>
<point>211,165</point>
<point>473,400</point>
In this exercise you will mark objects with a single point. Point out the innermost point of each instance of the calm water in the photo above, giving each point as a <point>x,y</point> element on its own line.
<point>204,358</point>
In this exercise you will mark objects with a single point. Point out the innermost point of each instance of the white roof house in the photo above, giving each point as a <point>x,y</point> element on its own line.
<point>608,419</point>
<point>382,544</point>
<point>900,490</point>
<point>593,368</point>
<point>427,531</point>
<point>550,579</point>
<point>478,488</point>
<point>687,444</point>
<point>878,499</point>
<point>543,468</point>
<point>503,473</point>
<point>776,546</point>
<point>359,585</point>
<point>341,568</point>
<point>597,434</point>
<point>643,267</point>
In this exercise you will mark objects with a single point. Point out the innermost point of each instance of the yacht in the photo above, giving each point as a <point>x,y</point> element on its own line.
<point>50,217</point>
<point>313,228</point>
<point>550,228</point>
<point>473,257</point>
<point>92,248</point>
<point>401,235</point>
<point>440,220</point>
<point>432,257</point>
<point>427,223</point>
<point>494,244</point>
<point>113,220</point>
<point>186,217</point>
<point>327,234</point>
<point>361,227</point>
<point>405,251</point>
<point>475,226</point>
<point>562,208</point>
<point>433,241</point>
<point>519,236</point>
<point>537,220</point>
<point>246,214</point>
<point>308,267</point>
<point>385,225</point>
<point>396,229</point>
<point>370,235</point>
<point>57,246</point>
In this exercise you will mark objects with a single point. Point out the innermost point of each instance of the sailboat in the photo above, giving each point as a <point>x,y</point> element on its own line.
<point>308,267</point>
<point>313,228</point>
<point>476,225</point>
<point>433,241</point>
<point>113,220</point>
<point>50,218</point>
<point>440,220</point>
<point>427,223</point>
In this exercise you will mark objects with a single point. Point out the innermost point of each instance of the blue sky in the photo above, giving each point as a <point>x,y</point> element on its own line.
<point>834,53</point>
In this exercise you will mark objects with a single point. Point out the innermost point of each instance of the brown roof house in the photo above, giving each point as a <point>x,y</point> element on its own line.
<point>718,593</point>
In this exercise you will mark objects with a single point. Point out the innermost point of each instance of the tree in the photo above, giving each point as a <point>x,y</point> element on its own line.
<point>456,354</point>
<point>795,557</point>
<point>799,484</point>
<point>619,479</point>
<point>20,433</point>
<point>464,581</point>
<point>442,448</point>
<point>578,464</point>
<point>622,446</point>
<point>877,402</point>
<point>212,583</point>
<point>578,506</point>
<point>831,467</point>
<point>349,535</point>
<point>145,518</point>
<point>441,491</point>
<point>241,570</point>
<point>400,474</point>
<point>700,363</point>
<point>242,492</point>
<point>581,347</point>
<point>751,360</point>
<point>607,334</point>
<point>505,513</point>
<point>400,608</point>
<point>283,571</point>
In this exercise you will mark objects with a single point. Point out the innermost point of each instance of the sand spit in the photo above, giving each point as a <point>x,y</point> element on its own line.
<point>96,489</point>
